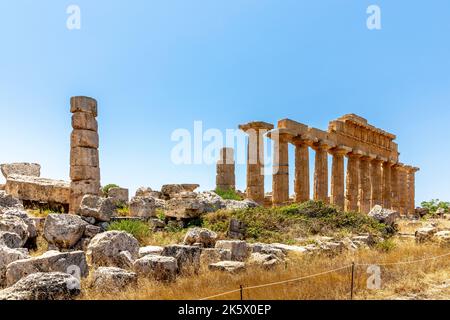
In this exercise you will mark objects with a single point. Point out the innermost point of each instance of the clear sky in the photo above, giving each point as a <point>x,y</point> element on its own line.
<point>156,66</point>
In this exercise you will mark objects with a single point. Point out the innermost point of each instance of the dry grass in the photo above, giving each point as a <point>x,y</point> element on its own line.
<point>397,281</point>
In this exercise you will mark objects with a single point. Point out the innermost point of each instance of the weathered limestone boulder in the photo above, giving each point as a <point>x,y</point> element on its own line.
<point>161,268</point>
<point>10,240</point>
<point>185,206</point>
<point>421,212</point>
<point>264,248</point>
<point>237,229</point>
<point>84,120</point>
<point>43,286</point>
<point>64,230</point>
<point>367,239</point>
<point>144,207</point>
<point>213,255</point>
<point>425,234</point>
<point>38,189</point>
<point>8,255</point>
<point>91,231</point>
<point>50,261</point>
<point>205,237</point>
<point>171,190</point>
<point>267,261</point>
<point>11,223</point>
<point>84,138</point>
<point>29,221</point>
<point>8,202</point>
<point>157,224</point>
<point>150,250</point>
<point>228,266</point>
<point>23,169</point>
<point>119,195</point>
<point>385,216</point>
<point>236,205</point>
<point>113,249</point>
<point>143,192</point>
<point>239,249</point>
<point>442,237</point>
<point>102,209</point>
<point>111,279</point>
<point>188,257</point>
<point>289,248</point>
<point>332,247</point>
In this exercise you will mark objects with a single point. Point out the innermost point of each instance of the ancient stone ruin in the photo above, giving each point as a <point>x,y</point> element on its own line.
<point>225,178</point>
<point>374,174</point>
<point>84,143</point>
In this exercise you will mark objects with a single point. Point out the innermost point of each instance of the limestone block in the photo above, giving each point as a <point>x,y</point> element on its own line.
<point>38,189</point>
<point>107,279</point>
<point>80,156</point>
<point>84,121</point>
<point>119,195</point>
<point>239,249</point>
<point>84,138</point>
<point>228,266</point>
<point>25,169</point>
<point>78,173</point>
<point>64,230</point>
<point>80,188</point>
<point>83,104</point>
<point>158,267</point>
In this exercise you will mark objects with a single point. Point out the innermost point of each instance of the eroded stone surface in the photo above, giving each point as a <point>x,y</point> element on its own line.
<point>23,169</point>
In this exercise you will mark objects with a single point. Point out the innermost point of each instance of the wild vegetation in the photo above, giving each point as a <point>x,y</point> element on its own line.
<point>228,194</point>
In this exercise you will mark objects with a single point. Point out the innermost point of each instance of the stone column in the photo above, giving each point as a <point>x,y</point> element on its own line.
<point>376,197</point>
<point>301,182</point>
<point>255,159</point>
<point>280,180</point>
<point>337,176</point>
<point>225,178</point>
<point>395,204</point>
<point>321,171</point>
<point>386,184</point>
<point>402,188</point>
<point>365,186</point>
<point>84,143</point>
<point>352,181</point>
<point>411,189</point>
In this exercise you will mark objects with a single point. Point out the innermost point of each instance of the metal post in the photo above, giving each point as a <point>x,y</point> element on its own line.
<point>242,292</point>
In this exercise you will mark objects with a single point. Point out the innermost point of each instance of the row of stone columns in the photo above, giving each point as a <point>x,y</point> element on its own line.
<point>370,180</point>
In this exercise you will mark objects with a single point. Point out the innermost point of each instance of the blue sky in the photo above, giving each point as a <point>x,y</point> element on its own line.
<point>155,66</point>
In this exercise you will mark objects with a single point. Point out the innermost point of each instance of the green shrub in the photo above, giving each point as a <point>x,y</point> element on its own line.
<point>228,194</point>
<point>138,229</point>
<point>160,214</point>
<point>386,245</point>
<point>434,205</point>
<point>106,188</point>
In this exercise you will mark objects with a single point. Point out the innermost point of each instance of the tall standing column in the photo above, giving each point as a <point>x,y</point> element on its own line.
<point>402,189</point>
<point>337,196</point>
<point>386,184</point>
<point>352,181</point>
<point>321,171</point>
<point>280,180</point>
<point>375,181</point>
<point>365,187</point>
<point>395,202</point>
<point>226,178</point>
<point>301,182</point>
<point>255,159</point>
<point>84,159</point>
<point>411,194</point>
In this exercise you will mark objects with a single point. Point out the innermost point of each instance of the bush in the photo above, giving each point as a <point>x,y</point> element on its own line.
<point>434,205</point>
<point>106,188</point>
<point>228,194</point>
<point>285,224</point>
<point>138,229</point>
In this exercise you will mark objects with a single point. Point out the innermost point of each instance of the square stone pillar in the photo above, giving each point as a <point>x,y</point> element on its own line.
<point>280,180</point>
<point>337,197</point>
<point>376,197</point>
<point>321,170</point>
<point>386,184</point>
<point>84,158</point>
<point>411,193</point>
<point>226,178</point>
<point>352,181</point>
<point>255,159</point>
<point>301,181</point>
<point>365,190</point>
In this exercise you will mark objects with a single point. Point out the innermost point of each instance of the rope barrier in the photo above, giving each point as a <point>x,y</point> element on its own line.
<point>322,273</point>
